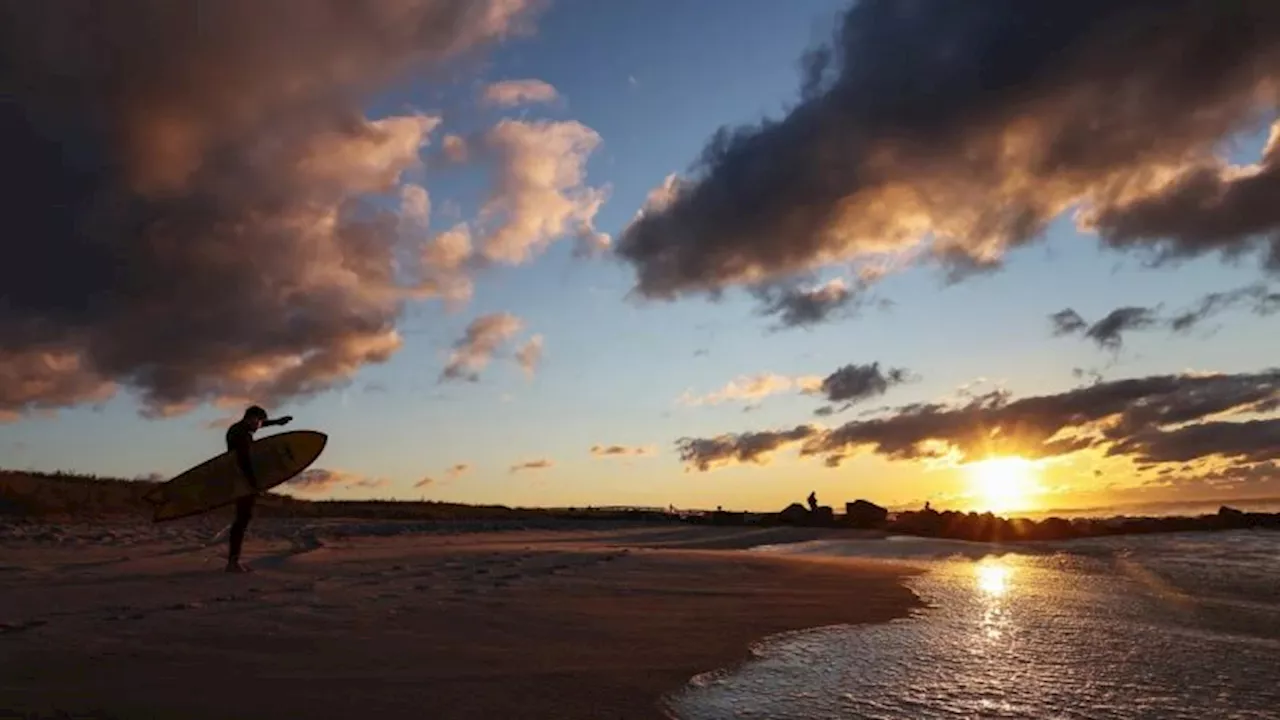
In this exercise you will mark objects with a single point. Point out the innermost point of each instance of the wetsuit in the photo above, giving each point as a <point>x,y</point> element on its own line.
<point>239,438</point>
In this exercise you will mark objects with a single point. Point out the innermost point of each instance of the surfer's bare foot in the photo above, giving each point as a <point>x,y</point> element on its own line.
<point>236,567</point>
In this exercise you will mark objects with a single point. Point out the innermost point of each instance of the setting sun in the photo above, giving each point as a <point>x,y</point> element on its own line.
<point>1003,483</point>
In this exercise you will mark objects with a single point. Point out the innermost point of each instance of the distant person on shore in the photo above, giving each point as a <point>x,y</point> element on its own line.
<point>239,439</point>
<point>813,501</point>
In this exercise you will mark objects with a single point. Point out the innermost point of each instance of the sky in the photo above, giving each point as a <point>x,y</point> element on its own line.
<point>991,256</point>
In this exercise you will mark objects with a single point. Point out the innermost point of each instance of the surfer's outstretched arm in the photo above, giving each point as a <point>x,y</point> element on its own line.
<point>278,421</point>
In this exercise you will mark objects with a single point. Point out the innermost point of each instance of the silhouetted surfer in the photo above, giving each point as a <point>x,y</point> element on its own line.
<point>239,438</point>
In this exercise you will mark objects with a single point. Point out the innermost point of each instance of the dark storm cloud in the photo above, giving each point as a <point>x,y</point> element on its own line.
<point>1067,322</point>
<point>852,384</point>
<point>187,192</point>
<point>1112,414</point>
<point>1210,208</point>
<point>972,125</point>
<point>750,447</point>
<point>1261,299</point>
<point>1248,442</point>
<point>1109,331</point>
<point>796,306</point>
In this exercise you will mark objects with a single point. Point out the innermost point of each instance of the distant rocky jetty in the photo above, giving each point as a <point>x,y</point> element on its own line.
<point>986,527</point>
<point>989,528</point>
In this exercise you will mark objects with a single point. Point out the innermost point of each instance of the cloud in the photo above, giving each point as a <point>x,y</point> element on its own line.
<point>540,192</point>
<point>454,148</point>
<point>1146,419</point>
<point>531,465</point>
<point>804,307</point>
<point>445,259</point>
<point>1243,479</point>
<point>1263,302</point>
<point>1252,441</point>
<point>955,132</point>
<point>473,351</point>
<point>852,384</point>
<point>446,265</point>
<point>1207,206</point>
<point>1067,322</point>
<point>318,480</point>
<point>457,471</point>
<point>620,451</point>
<point>510,93</point>
<point>1109,331</point>
<point>192,193</point>
<point>530,354</point>
<point>750,447</point>
<point>424,482</point>
<point>415,204</point>
<point>753,387</point>
<point>661,197</point>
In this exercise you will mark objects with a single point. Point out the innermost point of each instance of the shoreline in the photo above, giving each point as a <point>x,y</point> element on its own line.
<point>565,624</point>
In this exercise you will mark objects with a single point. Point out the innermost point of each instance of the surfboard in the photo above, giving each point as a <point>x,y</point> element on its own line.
<point>218,481</point>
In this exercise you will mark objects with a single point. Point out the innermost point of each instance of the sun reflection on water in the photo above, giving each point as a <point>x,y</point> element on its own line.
<point>993,577</point>
<point>993,584</point>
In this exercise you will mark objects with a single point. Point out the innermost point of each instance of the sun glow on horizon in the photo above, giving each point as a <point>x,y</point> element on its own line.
<point>1001,484</point>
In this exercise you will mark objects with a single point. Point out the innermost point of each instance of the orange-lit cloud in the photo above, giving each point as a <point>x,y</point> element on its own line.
<point>605,451</point>
<point>455,148</point>
<point>531,465</point>
<point>530,354</point>
<point>1150,421</point>
<point>318,480</point>
<point>510,93</point>
<point>754,387</point>
<point>473,351</point>
<point>953,158</point>
<point>220,190</point>
<point>540,192</point>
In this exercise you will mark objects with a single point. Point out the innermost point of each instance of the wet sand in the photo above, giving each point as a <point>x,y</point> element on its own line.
<point>520,624</point>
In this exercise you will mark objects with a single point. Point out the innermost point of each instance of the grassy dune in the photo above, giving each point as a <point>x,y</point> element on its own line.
<point>70,495</point>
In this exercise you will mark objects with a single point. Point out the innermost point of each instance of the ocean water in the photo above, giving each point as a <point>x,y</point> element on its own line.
<point>1156,626</point>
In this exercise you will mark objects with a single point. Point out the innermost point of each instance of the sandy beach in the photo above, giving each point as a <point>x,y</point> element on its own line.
<point>355,620</point>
